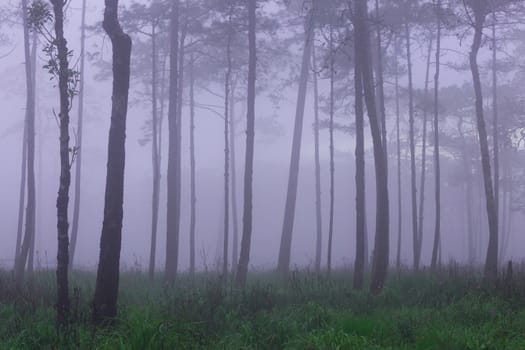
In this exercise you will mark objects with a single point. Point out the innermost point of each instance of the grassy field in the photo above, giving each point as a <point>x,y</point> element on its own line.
<point>449,310</point>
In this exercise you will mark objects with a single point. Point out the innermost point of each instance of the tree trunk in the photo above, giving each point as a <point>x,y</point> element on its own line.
<point>360,252</point>
<point>21,259</point>
<point>78,158</point>
<point>398,143</point>
<point>106,288</point>
<point>62,305</point>
<point>173,224</point>
<point>437,168</point>
<point>291,194</point>
<point>227,84</point>
<point>22,192</point>
<point>467,169</point>
<point>233,170</point>
<point>244,257</point>
<point>495,117</point>
<point>380,82</point>
<point>424,154</point>
<point>193,193</point>
<point>332,163</point>
<point>491,262</point>
<point>318,215</point>
<point>155,154</point>
<point>413,188</point>
<point>381,244</point>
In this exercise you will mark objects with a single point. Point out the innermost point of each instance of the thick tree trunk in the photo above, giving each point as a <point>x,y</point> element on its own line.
<point>360,247</point>
<point>413,188</point>
<point>62,305</point>
<point>437,168</point>
<point>398,143</point>
<point>244,257</point>
<point>381,244</point>
<point>291,194</point>
<point>193,193</point>
<point>332,163</point>
<point>318,215</point>
<point>173,224</point>
<point>424,153</point>
<point>78,158</point>
<point>21,258</point>
<point>491,262</point>
<point>155,154</point>
<point>106,289</point>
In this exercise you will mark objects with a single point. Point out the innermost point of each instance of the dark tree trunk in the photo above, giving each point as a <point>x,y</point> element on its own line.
<point>380,82</point>
<point>173,224</point>
<point>318,216</point>
<point>381,244</point>
<point>291,194</point>
<point>424,153</point>
<point>398,143</point>
<point>437,168</point>
<point>495,117</point>
<point>332,163</point>
<point>491,263</point>
<point>360,251</point>
<point>413,189</point>
<point>62,305</point>
<point>227,85</point>
<point>22,192</point>
<point>244,257</point>
<point>467,170</point>
<point>78,158</point>
<point>193,193</point>
<point>21,259</point>
<point>106,288</point>
<point>155,154</point>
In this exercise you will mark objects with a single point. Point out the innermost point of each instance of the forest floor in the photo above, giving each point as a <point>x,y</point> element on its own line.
<point>452,309</point>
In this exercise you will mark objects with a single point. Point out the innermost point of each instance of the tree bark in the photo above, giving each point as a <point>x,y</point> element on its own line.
<point>21,259</point>
<point>106,288</point>
<point>62,305</point>
<point>332,163</point>
<point>155,153</point>
<point>244,257</point>
<point>173,207</point>
<point>437,168</point>
<point>360,252</point>
<point>318,215</point>
<point>193,193</point>
<point>233,171</point>
<point>491,263</point>
<point>413,188</point>
<point>398,143</point>
<point>495,117</point>
<point>381,244</point>
<point>291,194</point>
<point>78,157</point>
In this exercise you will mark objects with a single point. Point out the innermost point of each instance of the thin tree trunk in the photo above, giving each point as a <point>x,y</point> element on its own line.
<point>244,257</point>
<point>491,263</point>
<point>193,193</point>
<point>398,138</point>
<point>233,171</point>
<point>360,253</point>
<point>424,154</point>
<point>380,82</point>
<point>291,194</point>
<point>468,194</point>
<point>106,288</point>
<point>318,215</point>
<point>62,305</point>
<point>227,84</point>
<point>21,260</point>
<point>173,224</point>
<point>22,192</point>
<point>413,188</point>
<point>381,244</point>
<point>155,154</point>
<point>332,163</point>
<point>78,158</point>
<point>495,117</point>
<point>437,168</point>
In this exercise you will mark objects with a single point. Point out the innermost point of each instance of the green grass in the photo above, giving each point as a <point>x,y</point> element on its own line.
<point>453,309</point>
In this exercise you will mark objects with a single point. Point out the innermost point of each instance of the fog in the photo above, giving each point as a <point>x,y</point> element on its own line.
<point>273,139</point>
